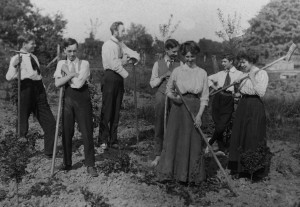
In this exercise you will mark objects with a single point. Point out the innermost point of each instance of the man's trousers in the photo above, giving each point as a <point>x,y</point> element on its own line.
<point>222,109</point>
<point>34,99</point>
<point>112,96</point>
<point>78,106</point>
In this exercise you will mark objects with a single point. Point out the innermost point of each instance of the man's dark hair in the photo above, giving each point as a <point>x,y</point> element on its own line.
<point>250,55</point>
<point>68,42</point>
<point>114,26</point>
<point>25,38</point>
<point>229,57</point>
<point>189,46</point>
<point>171,43</point>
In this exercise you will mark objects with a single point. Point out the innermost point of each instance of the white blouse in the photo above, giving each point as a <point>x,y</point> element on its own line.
<point>246,87</point>
<point>189,80</point>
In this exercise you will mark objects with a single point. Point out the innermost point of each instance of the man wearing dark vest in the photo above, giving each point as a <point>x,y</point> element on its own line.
<point>223,102</point>
<point>115,54</point>
<point>161,72</point>
<point>33,95</point>
<point>77,105</point>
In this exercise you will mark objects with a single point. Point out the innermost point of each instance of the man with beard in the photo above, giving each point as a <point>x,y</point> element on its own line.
<point>115,55</point>
<point>223,102</point>
<point>161,72</point>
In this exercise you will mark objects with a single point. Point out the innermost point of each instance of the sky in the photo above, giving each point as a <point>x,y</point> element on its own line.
<point>198,18</point>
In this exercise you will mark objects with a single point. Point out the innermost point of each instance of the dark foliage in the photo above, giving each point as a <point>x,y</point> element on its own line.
<point>254,160</point>
<point>93,199</point>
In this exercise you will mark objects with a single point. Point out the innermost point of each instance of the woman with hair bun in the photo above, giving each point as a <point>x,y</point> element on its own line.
<point>183,150</point>
<point>249,126</point>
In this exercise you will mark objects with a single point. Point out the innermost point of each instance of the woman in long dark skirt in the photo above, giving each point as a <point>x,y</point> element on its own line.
<point>249,126</point>
<point>183,148</point>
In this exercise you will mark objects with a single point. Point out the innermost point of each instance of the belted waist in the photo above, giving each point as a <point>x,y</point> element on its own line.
<point>28,80</point>
<point>190,95</point>
<point>250,96</point>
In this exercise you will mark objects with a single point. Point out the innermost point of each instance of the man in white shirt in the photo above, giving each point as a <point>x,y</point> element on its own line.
<point>115,54</point>
<point>77,105</point>
<point>160,74</point>
<point>223,102</point>
<point>33,95</point>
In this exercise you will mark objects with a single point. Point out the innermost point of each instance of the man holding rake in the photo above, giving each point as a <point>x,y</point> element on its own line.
<point>160,74</point>
<point>33,98</point>
<point>77,105</point>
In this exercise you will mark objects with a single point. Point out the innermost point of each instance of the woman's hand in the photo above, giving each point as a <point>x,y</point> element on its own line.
<point>198,121</point>
<point>177,99</point>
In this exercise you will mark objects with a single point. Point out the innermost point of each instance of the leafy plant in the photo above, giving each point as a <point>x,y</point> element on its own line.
<point>93,199</point>
<point>254,160</point>
<point>14,156</point>
<point>121,163</point>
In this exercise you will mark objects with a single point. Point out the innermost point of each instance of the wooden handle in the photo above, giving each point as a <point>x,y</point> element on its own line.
<point>209,146</point>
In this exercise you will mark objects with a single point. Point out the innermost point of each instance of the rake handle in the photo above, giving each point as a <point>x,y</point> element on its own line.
<point>203,137</point>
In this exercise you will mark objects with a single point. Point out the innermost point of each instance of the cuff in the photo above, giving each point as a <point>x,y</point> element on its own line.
<point>124,73</point>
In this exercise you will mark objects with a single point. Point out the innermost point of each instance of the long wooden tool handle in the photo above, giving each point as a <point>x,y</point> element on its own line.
<point>135,104</point>
<point>56,129</point>
<point>287,57</point>
<point>19,96</point>
<point>57,120</point>
<point>203,136</point>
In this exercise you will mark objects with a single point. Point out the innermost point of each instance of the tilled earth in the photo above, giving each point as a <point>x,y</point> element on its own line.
<point>126,178</point>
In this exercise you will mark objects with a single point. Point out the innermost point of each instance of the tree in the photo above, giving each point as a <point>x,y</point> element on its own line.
<point>166,31</point>
<point>13,15</point>
<point>231,32</point>
<point>275,27</point>
<point>138,39</point>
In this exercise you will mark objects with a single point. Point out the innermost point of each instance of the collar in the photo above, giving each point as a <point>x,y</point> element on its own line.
<point>232,69</point>
<point>25,52</point>
<point>74,61</point>
<point>114,39</point>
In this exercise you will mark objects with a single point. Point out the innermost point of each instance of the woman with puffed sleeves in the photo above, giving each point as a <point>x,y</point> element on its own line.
<point>182,157</point>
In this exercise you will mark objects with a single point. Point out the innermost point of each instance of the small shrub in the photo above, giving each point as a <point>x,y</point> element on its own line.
<point>254,160</point>
<point>93,199</point>
<point>121,163</point>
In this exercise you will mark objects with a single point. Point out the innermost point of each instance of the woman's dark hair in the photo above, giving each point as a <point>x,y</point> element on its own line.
<point>171,43</point>
<point>189,46</point>
<point>68,42</point>
<point>250,55</point>
<point>114,26</point>
<point>25,38</point>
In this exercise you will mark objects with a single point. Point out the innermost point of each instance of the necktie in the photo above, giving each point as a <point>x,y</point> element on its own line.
<point>34,65</point>
<point>73,68</point>
<point>227,79</point>
<point>170,63</point>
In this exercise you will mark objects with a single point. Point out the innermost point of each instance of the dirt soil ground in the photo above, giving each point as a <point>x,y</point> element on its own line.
<point>126,178</point>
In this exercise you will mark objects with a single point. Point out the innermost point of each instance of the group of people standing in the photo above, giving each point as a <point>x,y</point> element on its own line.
<point>179,147</point>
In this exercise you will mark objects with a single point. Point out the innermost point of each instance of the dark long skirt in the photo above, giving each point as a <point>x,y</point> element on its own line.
<point>182,155</point>
<point>249,130</point>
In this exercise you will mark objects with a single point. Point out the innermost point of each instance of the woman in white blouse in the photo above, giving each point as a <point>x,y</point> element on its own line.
<point>249,126</point>
<point>182,154</point>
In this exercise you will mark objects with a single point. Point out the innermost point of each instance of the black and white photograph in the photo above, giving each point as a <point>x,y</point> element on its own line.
<point>138,103</point>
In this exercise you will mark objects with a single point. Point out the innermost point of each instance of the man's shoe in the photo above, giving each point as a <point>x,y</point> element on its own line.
<point>92,171</point>
<point>65,167</point>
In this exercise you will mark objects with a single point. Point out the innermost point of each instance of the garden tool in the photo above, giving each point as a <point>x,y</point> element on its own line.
<point>287,57</point>
<point>205,140</point>
<point>61,90</point>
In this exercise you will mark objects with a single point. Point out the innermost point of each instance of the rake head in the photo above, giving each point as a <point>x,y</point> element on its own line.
<point>291,51</point>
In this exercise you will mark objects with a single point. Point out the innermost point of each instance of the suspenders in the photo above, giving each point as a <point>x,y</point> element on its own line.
<point>79,64</point>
